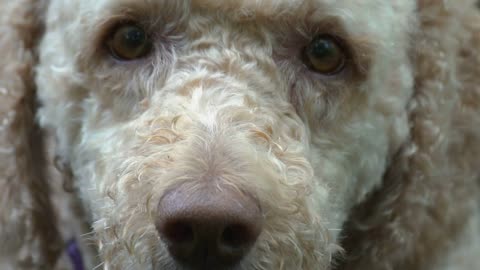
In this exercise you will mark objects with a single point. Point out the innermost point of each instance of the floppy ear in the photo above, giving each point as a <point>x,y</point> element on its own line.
<point>431,188</point>
<point>29,238</point>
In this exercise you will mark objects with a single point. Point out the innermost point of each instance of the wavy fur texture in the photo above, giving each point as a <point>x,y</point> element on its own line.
<point>373,168</point>
<point>28,240</point>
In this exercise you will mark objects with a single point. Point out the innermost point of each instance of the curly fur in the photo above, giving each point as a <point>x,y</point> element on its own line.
<point>373,168</point>
<point>23,210</point>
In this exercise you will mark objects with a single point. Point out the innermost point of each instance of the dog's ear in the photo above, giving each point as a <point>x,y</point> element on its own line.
<point>28,235</point>
<point>429,189</point>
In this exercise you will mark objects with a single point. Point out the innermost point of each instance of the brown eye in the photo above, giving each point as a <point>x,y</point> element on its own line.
<point>129,42</point>
<point>325,55</point>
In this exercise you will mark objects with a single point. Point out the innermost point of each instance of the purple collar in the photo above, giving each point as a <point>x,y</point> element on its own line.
<point>75,255</point>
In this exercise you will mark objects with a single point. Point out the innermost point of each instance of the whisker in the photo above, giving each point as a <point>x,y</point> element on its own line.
<point>98,266</point>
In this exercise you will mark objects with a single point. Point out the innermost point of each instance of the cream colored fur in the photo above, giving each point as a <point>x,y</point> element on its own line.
<point>373,168</point>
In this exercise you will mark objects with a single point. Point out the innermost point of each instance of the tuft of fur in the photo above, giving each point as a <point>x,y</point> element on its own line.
<point>373,168</point>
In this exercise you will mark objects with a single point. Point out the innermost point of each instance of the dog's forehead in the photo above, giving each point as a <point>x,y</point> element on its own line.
<point>367,14</point>
<point>302,7</point>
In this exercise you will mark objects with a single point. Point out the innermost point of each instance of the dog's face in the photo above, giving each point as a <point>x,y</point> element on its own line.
<point>270,118</point>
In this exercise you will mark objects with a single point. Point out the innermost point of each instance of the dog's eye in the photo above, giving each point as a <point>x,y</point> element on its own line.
<point>325,55</point>
<point>129,42</point>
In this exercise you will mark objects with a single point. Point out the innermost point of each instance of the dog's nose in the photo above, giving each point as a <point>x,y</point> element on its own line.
<point>206,229</point>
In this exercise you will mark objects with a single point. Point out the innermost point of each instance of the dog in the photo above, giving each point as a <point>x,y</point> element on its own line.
<point>240,134</point>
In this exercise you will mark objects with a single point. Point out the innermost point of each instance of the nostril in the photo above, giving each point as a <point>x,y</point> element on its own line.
<point>235,241</point>
<point>236,236</point>
<point>179,232</point>
<point>180,237</point>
